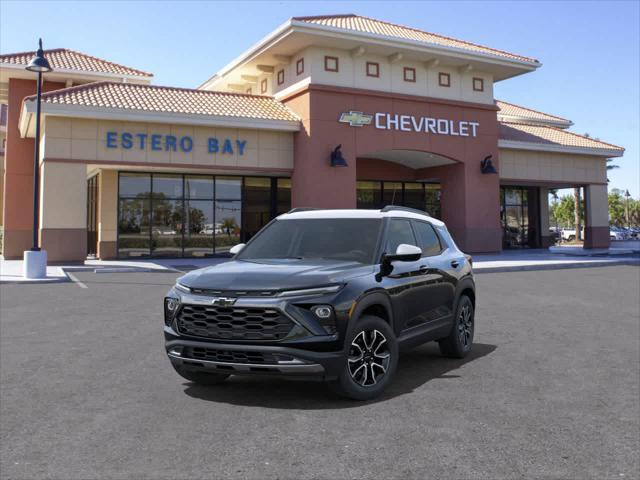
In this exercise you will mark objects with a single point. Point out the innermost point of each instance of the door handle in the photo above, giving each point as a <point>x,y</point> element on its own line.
<point>423,269</point>
<point>455,263</point>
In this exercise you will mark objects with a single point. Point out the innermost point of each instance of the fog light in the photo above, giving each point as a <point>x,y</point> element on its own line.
<point>322,311</point>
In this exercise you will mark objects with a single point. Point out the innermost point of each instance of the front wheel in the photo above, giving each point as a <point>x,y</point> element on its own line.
<point>458,343</point>
<point>371,361</point>
<point>201,378</point>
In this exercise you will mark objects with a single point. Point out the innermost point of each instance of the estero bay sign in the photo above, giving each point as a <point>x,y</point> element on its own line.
<point>171,143</point>
<point>411,123</point>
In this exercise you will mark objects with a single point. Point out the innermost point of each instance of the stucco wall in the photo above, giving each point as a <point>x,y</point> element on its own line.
<point>85,140</point>
<point>551,167</point>
<point>352,73</point>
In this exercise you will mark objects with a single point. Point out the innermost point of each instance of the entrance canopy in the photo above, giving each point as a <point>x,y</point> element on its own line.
<point>410,158</point>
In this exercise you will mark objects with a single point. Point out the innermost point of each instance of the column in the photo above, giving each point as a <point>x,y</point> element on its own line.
<point>596,216</point>
<point>63,211</point>
<point>546,240</point>
<point>107,214</point>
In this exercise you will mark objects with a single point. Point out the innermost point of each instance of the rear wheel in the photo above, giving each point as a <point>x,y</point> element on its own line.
<point>201,378</point>
<point>459,342</point>
<point>371,362</point>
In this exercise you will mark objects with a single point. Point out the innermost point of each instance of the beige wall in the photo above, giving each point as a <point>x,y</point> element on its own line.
<point>352,73</point>
<point>552,167</point>
<point>63,195</point>
<point>80,139</point>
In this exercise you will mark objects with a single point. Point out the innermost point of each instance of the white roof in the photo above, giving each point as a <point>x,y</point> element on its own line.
<point>359,213</point>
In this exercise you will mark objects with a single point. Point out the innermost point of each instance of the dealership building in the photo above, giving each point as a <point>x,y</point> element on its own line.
<point>337,111</point>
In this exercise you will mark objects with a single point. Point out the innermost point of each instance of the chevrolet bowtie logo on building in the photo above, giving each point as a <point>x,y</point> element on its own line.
<point>356,119</point>
<point>223,301</point>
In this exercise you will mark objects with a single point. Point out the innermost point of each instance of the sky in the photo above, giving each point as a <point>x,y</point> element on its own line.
<point>590,51</point>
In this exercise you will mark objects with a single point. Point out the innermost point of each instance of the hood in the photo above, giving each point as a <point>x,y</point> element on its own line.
<point>273,274</point>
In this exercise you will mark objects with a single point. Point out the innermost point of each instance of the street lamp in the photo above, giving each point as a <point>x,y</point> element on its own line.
<point>35,260</point>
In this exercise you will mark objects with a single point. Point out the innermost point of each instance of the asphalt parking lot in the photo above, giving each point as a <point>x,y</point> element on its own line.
<point>551,390</point>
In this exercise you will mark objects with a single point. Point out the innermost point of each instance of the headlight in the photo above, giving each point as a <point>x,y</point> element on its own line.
<point>182,288</point>
<point>171,306</point>
<point>322,311</point>
<point>311,291</point>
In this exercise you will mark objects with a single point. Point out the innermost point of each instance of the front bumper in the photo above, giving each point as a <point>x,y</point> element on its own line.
<point>282,360</point>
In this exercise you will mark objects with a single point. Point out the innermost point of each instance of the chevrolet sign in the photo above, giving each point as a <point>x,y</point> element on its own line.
<point>410,123</point>
<point>355,119</point>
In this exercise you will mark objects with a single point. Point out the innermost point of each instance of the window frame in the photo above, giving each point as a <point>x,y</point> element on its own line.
<point>480,82</point>
<point>407,70</point>
<point>377,67</point>
<point>443,75</point>
<point>263,85</point>
<point>300,66</point>
<point>280,76</point>
<point>328,58</point>
<point>415,221</point>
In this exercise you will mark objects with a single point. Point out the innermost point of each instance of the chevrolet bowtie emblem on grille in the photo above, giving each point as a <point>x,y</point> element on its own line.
<point>223,301</point>
<point>356,119</point>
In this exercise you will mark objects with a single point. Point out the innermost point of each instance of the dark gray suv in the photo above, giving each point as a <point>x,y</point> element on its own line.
<point>327,294</point>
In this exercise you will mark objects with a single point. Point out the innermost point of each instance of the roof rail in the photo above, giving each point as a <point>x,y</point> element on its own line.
<point>390,208</point>
<point>301,209</point>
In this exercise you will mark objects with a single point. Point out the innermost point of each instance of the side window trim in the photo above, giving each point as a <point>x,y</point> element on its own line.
<point>437,235</point>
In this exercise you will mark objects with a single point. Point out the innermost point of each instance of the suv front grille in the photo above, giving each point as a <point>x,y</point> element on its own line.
<point>233,323</point>
<point>215,355</point>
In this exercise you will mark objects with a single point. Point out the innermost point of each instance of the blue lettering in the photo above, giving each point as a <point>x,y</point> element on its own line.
<point>170,143</point>
<point>111,140</point>
<point>227,147</point>
<point>155,142</point>
<point>142,137</point>
<point>213,145</point>
<point>126,140</point>
<point>241,144</point>
<point>186,144</point>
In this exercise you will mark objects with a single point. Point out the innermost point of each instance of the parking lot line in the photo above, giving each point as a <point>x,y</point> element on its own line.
<point>75,280</point>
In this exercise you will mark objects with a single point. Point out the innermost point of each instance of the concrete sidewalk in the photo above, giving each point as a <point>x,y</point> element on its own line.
<point>506,261</point>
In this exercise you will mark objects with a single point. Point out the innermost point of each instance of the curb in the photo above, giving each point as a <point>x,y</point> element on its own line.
<point>562,266</point>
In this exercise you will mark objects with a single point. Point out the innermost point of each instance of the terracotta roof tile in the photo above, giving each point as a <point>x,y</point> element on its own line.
<point>513,110</point>
<point>517,132</point>
<point>370,25</point>
<point>152,98</point>
<point>65,59</point>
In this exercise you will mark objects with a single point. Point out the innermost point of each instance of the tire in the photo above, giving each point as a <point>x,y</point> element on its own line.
<point>371,360</point>
<point>459,342</point>
<point>571,238</point>
<point>201,378</point>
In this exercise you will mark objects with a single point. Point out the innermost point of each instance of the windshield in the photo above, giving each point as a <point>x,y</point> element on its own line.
<point>348,239</point>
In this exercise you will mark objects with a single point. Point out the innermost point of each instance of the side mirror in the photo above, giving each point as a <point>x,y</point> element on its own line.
<point>404,253</point>
<point>236,248</point>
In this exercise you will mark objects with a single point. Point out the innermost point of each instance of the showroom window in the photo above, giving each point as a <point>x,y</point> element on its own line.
<point>170,215</point>
<point>418,195</point>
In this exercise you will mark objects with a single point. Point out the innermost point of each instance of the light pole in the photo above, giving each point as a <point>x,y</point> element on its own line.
<point>626,208</point>
<point>35,260</point>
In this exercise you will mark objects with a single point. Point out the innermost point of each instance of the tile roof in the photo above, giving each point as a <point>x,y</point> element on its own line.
<point>544,135</point>
<point>370,25</point>
<point>152,98</point>
<point>512,110</point>
<point>65,59</point>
